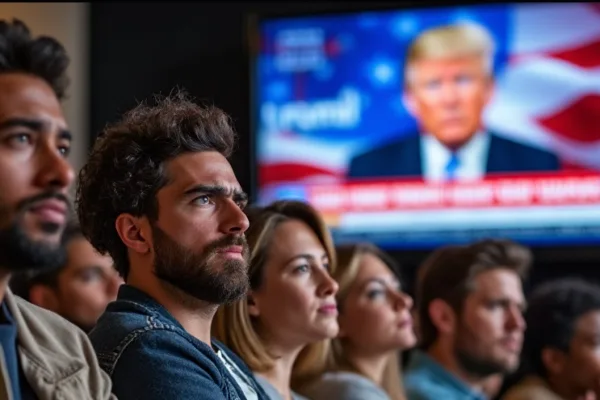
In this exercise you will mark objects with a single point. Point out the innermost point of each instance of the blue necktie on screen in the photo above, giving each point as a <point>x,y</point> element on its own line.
<point>451,167</point>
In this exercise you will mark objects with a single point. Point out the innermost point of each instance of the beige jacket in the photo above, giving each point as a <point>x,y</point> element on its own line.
<point>531,388</point>
<point>57,358</point>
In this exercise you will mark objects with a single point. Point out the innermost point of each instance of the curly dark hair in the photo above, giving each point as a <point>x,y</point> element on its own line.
<point>553,311</point>
<point>448,274</point>
<point>125,169</point>
<point>43,56</point>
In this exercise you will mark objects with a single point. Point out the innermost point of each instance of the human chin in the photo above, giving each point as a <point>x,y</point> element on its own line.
<point>406,339</point>
<point>20,251</point>
<point>41,230</point>
<point>324,328</point>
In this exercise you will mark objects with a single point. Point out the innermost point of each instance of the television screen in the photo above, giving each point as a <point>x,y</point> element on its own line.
<point>415,128</point>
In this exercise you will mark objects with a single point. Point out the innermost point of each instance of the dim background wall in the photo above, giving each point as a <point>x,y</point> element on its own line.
<point>69,23</point>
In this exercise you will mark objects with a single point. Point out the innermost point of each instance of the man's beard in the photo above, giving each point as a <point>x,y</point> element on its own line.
<point>472,361</point>
<point>201,275</point>
<point>18,252</point>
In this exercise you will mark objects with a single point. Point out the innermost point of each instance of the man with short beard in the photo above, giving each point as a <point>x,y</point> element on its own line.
<point>42,356</point>
<point>470,303</point>
<point>160,197</point>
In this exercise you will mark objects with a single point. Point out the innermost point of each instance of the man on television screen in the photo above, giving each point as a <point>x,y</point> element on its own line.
<point>448,81</point>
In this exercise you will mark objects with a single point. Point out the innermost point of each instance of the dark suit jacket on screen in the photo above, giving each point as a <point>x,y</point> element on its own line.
<point>403,159</point>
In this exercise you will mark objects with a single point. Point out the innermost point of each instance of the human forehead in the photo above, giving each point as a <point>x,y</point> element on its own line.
<point>371,266</point>
<point>294,235</point>
<point>201,168</point>
<point>588,324</point>
<point>498,282</point>
<point>425,68</point>
<point>28,96</point>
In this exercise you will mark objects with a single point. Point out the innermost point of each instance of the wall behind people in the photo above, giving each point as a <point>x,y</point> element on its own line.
<point>69,24</point>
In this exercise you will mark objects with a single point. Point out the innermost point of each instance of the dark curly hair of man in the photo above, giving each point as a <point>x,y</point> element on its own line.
<point>43,56</point>
<point>552,314</point>
<point>126,167</point>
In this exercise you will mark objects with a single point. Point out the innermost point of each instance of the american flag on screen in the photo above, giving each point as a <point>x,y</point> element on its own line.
<point>547,95</point>
<point>550,89</point>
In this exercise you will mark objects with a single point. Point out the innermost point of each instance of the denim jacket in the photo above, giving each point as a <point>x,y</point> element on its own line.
<point>149,355</point>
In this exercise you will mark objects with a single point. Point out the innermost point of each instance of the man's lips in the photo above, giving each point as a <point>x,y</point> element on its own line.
<point>232,251</point>
<point>50,210</point>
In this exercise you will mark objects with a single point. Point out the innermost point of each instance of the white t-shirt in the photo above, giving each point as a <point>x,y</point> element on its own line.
<point>240,377</point>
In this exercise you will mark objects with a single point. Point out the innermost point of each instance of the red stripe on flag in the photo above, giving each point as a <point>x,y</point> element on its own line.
<point>573,167</point>
<point>290,172</point>
<point>585,56</point>
<point>595,7</point>
<point>578,121</point>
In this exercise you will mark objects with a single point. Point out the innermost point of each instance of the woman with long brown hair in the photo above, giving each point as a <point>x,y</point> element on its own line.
<point>281,328</point>
<point>375,325</point>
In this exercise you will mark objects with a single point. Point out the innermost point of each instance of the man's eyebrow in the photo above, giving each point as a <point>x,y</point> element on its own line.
<point>32,124</point>
<point>218,190</point>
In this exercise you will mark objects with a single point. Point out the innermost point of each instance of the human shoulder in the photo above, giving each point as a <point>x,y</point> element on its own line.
<point>344,386</point>
<point>172,368</point>
<point>50,330</point>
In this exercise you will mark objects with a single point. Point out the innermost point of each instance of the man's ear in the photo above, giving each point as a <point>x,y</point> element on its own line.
<point>442,316</point>
<point>134,232</point>
<point>409,102</point>
<point>44,296</point>
<point>554,361</point>
<point>489,89</point>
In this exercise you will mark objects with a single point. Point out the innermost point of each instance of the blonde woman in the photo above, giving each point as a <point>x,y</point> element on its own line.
<point>375,324</point>
<point>290,310</point>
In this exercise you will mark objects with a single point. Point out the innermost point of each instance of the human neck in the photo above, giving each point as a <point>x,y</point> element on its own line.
<point>445,357</point>
<point>456,145</point>
<point>280,376</point>
<point>370,365</point>
<point>194,315</point>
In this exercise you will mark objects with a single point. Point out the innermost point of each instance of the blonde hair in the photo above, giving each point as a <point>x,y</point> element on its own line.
<point>233,324</point>
<point>349,258</point>
<point>449,41</point>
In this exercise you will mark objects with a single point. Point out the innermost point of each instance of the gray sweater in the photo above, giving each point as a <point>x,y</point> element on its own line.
<point>344,386</point>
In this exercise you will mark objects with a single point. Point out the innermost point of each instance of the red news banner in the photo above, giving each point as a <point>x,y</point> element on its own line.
<point>498,191</point>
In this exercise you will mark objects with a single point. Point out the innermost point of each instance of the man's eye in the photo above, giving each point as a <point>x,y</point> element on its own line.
<point>202,200</point>
<point>19,139</point>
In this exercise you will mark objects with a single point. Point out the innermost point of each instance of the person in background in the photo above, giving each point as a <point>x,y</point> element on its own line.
<point>448,81</point>
<point>290,311</point>
<point>375,325</point>
<point>43,355</point>
<point>171,218</point>
<point>470,302</point>
<point>561,352</point>
<point>80,289</point>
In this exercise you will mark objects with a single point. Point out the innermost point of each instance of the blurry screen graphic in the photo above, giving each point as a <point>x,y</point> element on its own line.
<point>342,125</point>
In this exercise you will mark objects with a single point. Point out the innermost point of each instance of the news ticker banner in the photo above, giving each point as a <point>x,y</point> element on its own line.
<point>507,191</point>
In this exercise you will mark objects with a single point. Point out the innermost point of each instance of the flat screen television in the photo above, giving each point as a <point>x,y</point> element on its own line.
<point>413,128</point>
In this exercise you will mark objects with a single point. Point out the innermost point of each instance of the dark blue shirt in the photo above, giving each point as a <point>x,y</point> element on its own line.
<point>8,339</point>
<point>149,355</point>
